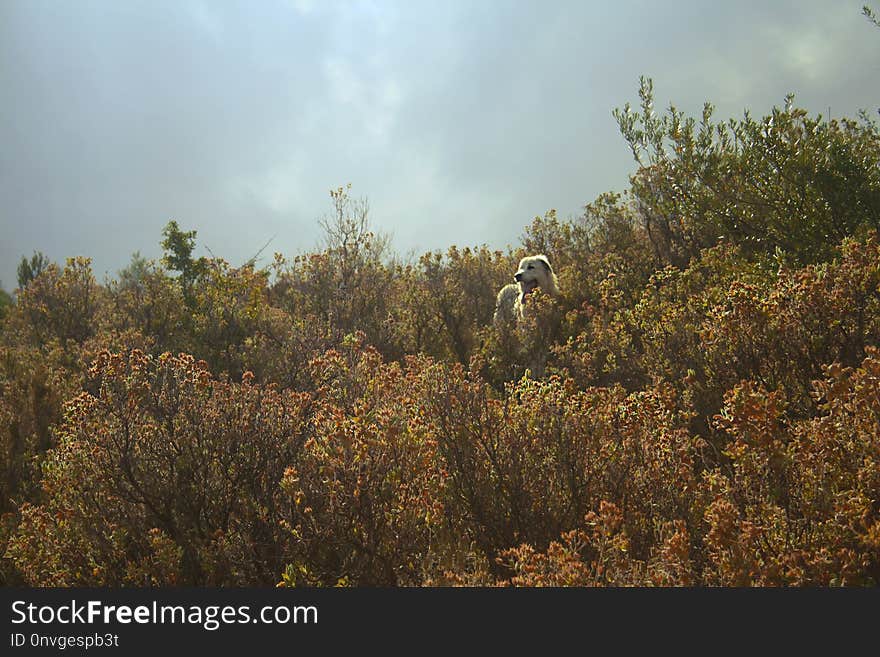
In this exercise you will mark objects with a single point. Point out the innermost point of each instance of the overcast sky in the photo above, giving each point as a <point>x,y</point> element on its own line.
<point>459,121</point>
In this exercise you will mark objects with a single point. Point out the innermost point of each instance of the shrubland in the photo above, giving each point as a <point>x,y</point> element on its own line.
<point>705,409</point>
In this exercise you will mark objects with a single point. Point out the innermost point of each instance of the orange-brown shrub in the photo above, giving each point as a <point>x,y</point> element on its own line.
<point>165,475</point>
<point>527,467</point>
<point>598,554</point>
<point>797,504</point>
<point>800,505</point>
<point>363,501</point>
<point>58,307</point>
<point>783,335</point>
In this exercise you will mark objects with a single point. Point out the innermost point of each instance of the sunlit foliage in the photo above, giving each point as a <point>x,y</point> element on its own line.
<point>700,405</point>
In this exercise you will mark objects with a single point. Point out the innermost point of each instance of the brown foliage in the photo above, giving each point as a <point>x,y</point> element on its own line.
<point>164,476</point>
<point>689,410</point>
<point>363,500</point>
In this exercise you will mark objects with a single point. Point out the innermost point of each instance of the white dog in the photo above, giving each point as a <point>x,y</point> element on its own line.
<point>534,271</point>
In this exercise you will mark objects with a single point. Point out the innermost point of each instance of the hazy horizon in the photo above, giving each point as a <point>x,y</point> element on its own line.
<point>459,121</point>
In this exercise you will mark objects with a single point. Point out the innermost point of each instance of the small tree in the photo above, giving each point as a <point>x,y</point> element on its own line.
<point>178,246</point>
<point>134,274</point>
<point>28,270</point>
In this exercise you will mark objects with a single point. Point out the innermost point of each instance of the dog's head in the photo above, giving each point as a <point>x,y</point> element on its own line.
<point>535,271</point>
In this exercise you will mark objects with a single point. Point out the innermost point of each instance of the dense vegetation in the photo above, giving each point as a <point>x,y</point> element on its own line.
<point>708,410</point>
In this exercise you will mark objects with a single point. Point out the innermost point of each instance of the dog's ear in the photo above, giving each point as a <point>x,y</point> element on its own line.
<point>546,263</point>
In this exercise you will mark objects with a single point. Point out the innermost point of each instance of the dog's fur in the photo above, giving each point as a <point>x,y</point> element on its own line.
<point>534,271</point>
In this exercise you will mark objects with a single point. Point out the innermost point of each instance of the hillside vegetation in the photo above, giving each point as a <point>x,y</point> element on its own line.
<point>706,410</point>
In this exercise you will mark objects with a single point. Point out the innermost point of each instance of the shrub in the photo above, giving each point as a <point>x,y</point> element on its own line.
<point>787,181</point>
<point>525,468</point>
<point>800,506</point>
<point>165,475</point>
<point>58,307</point>
<point>364,500</point>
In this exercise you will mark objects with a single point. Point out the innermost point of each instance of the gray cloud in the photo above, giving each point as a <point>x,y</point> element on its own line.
<point>459,120</point>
